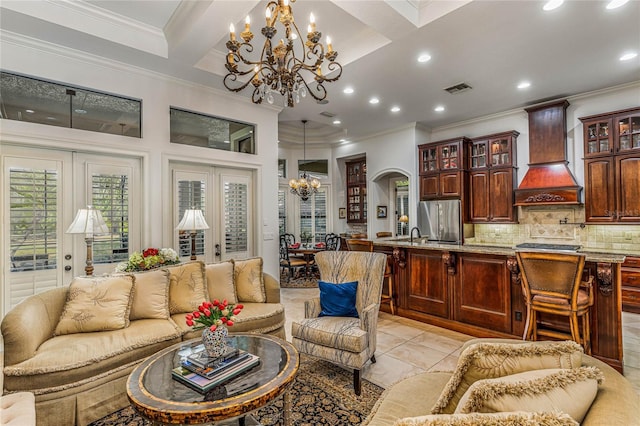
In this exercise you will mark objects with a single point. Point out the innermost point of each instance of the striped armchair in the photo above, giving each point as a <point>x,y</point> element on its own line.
<point>349,342</point>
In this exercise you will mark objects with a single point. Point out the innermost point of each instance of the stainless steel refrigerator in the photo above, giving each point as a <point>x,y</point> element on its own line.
<point>440,220</point>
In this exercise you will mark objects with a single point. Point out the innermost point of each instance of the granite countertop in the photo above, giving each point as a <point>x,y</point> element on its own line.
<point>592,254</point>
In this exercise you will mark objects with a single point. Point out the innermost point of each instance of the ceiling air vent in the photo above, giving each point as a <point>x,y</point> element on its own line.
<point>458,88</point>
<point>328,114</point>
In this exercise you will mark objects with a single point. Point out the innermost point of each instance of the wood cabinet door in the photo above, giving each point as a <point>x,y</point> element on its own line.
<point>501,195</point>
<point>427,291</point>
<point>450,184</point>
<point>628,179</point>
<point>429,186</point>
<point>482,293</point>
<point>479,196</point>
<point>599,187</point>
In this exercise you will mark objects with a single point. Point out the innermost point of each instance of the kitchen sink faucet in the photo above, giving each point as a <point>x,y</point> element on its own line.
<point>415,228</point>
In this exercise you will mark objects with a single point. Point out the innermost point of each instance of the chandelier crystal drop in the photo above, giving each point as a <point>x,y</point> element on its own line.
<point>304,187</point>
<point>278,69</point>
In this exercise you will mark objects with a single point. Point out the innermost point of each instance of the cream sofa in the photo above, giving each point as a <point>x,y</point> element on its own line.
<point>616,402</point>
<point>79,377</point>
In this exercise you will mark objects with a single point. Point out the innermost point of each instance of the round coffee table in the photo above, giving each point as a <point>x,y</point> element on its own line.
<point>158,397</point>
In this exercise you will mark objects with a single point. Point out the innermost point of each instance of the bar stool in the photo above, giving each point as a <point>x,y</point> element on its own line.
<point>552,283</point>
<point>367,245</point>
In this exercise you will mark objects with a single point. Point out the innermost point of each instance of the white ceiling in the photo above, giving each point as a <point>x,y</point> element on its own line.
<point>490,45</point>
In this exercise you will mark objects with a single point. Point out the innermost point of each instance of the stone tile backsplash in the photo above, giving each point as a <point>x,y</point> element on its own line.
<point>542,225</point>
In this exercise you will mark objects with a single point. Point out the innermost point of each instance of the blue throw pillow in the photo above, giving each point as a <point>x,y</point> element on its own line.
<point>338,300</point>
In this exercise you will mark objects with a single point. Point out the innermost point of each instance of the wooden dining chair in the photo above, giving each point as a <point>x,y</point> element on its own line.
<point>367,245</point>
<point>288,262</point>
<point>332,242</point>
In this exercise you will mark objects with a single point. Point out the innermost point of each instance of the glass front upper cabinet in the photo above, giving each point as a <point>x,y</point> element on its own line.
<point>629,133</point>
<point>599,139</point>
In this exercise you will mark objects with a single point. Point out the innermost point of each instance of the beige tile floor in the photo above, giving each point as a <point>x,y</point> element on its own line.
<point>407,347</point>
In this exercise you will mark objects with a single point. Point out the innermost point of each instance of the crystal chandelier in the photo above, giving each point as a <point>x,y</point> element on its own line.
<point>303,187</point>
<point>279,69</point>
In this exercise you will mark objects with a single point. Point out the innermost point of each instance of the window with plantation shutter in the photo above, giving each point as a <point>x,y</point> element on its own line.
<point>191,195</point>
<point>236,223</point>
<point>33,219</point>
<point>313,217</point>
<point>110,195</point>
<point>282,211</point>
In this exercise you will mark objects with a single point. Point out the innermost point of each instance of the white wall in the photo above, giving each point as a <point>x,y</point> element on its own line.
<point>393,151</point>
<point>157,93</point>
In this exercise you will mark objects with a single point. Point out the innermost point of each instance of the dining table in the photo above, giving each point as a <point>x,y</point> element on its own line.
<point>308,253</point>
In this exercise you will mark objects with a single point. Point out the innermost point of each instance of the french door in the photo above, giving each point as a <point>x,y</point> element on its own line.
<point>41,192</point>
<point>225,197</point>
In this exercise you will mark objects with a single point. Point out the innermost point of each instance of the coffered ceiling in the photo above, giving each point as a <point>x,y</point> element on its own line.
<point>490,45</point>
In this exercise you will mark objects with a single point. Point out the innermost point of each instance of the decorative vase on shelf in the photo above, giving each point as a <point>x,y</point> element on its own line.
<point>215,342</point>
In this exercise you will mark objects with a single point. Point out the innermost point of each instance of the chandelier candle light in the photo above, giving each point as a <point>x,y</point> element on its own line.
<point>303,187</point>
<point>278,68</point>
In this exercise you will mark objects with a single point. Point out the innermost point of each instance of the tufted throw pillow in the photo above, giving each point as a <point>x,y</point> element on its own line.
<point>96,304</point>
<point>515,418</point>
<point>338,300</point>
<point>249,280</point>
<point>150,295</point>
<point>186,287</point>
<point>219,279</point>
<point>571,391</point>
<point>491,360</point>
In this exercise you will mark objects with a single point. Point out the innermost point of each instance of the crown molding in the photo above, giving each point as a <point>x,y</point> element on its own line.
<point>92,20</point>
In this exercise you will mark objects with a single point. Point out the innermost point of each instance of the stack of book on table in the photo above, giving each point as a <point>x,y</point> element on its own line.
<point>202,373</point>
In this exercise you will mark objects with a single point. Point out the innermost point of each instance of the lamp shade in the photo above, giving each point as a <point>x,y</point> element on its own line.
<point>192,220</point>
<point>404,219</point>
<point>89,222</point>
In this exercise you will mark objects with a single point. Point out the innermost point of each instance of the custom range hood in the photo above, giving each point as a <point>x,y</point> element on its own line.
<point>548,180</point>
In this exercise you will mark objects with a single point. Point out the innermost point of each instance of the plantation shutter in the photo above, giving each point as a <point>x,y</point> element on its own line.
<point>236,222</point>
<point>110,195</point>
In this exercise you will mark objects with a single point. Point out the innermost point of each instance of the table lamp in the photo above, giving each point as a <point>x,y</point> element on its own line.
<point>192,221</point>
<point>88,222</point>
<point>404,219</point>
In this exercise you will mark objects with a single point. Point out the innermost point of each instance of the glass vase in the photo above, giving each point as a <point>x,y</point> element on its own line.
<point>215,342</point>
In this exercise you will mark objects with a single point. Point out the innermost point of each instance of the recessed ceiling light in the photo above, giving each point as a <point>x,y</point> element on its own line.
<point>524,85</point>
<point>424,57</point>
<point>395,108</point>
<point>348,90</point>
<point>439,108</point>
<point>227,142</point>
<point>337,121</point>
<point>343,140</point>
<point>374,101</point>
<point>30,111</point>
<point>552,4</point>
<point>51,118</point>
<point>614,4</point>
<point>628,56</point>
<point>80,111</point>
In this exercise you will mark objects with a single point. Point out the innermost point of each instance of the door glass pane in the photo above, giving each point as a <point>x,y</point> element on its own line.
<point>110,195</point>
<point>236,221</point>
<point>33,219</point>
<point>190,196</point>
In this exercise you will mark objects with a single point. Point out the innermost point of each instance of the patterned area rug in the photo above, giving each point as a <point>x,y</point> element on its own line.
<point>322,394</point>
<point>301,281</point>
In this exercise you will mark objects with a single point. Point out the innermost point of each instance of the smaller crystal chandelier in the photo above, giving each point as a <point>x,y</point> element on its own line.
<point>303,187</point>
<point>278,68</point>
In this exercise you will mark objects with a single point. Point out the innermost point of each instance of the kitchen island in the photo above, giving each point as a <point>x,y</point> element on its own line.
<point>475,289</point>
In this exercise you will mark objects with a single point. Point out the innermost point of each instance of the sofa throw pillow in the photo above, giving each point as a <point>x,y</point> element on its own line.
<point>186,287</point>
<point>249,280</point>
<point>150,295</point>
<point>516,418</point>
<point>338,300</point>
<point>571,391</point>
<point>490,360</point>
<point>96,304</point>
<point>219,281</point>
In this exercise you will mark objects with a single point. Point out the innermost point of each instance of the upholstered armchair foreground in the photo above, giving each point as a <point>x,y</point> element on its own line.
<point>349,341</point>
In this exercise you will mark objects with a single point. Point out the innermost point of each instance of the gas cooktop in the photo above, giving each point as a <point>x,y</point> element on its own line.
<point>540,246</point>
